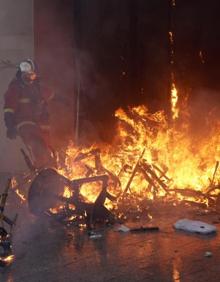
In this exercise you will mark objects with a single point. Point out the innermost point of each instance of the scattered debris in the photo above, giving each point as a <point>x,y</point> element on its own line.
<point>145,229</point>
<point>46,193</point>
<point>122,228</point>
<point>94,235</point>
<point>195,226</point>
<point>208,254</point>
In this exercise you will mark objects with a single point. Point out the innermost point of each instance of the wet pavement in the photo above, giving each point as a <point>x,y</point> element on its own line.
<point>47,251</point>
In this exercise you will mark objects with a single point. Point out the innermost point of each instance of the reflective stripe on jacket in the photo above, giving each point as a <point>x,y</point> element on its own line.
<point>28,103</point>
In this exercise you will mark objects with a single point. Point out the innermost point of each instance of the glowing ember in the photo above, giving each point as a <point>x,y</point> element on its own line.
<point>201,56</point>
<point>67,192</point>
<point>21,196</point>
<point>54,210</point>
<point>14,185</point>
<point>171,37</point>
<point>7,260</point>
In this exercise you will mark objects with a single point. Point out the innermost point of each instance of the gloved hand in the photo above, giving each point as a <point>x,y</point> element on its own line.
<point>11,133</point>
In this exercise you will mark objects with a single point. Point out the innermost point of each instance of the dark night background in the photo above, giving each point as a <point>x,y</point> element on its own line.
<point>120,50</point>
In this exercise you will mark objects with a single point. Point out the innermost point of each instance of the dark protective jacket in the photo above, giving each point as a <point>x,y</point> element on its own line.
<point>26,104</point>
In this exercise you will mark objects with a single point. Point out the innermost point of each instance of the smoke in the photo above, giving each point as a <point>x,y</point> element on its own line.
<point>117,52</point>
<point>16,38</point>
<point>204,113</point>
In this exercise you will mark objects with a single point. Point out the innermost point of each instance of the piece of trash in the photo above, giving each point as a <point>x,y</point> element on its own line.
<point>208,254</point>
<point>122,228</point>
<point>145,229</point>
<point>94,235</point>
<point>195,226</point>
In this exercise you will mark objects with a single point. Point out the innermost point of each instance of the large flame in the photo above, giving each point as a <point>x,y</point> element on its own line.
<point>178,160</point>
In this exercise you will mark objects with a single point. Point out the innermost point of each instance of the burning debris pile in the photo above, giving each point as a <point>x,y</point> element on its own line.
<point>46,194</point>
<point>148,162</point>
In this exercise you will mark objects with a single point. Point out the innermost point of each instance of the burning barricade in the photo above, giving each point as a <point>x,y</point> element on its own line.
<point>46,196</point>
<point>148,162</point>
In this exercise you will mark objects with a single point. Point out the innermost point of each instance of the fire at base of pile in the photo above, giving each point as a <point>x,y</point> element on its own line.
<point>149,161</point>
<point>55,195</point>
<point>46,195</point>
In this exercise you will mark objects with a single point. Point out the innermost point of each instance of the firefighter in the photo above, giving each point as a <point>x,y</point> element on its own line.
<point>26,113</point>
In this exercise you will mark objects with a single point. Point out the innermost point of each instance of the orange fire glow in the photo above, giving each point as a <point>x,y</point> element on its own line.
<point>67,192</point>
<point>172,157</point>
<point>14,185</point>
<point>8,260</point>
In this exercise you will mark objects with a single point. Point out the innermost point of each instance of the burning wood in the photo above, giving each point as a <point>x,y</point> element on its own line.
<point>15,188</point>
<point>98,166</point>
<point>43,197</point>
<point>212,187</point>
<point>153,175</point>
<point>165,163</point>
<point>134,172</point>
<point>151,182</point>
<point>144,136</point>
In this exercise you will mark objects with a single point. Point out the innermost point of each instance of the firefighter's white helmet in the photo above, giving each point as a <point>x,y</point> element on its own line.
<point>27,66</point>
<point>27,71</point>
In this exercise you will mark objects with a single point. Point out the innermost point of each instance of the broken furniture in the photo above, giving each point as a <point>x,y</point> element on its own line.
<point>46,193</point>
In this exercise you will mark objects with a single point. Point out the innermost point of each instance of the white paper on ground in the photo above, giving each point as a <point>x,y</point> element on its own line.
<point>122,228</point>
<point>95,236</point>
<point>195,226</point>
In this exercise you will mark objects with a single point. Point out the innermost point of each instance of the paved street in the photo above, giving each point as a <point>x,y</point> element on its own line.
<point>47,251</point>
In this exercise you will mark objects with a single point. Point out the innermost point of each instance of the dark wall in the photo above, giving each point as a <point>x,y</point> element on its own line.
<point>127,41</point>
<point>119,51</point>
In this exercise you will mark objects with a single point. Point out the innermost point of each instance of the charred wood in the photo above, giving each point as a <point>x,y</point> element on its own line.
<point>133,173</point>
